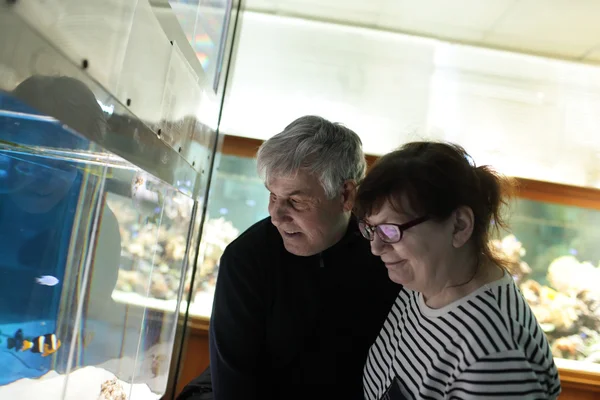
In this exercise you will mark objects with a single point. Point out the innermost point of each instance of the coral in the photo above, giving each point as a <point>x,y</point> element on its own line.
<point>510,249</point>
<point>153,249</point>
<point>112,390</point>
<point>567,347</point>
<point>554,310</point>
<point>567,275</point>
<point>217,235</point>
<point>569,309</point>
<point>591,314</point>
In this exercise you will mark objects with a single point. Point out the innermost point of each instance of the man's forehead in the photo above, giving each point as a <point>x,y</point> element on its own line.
<point>298,184</point>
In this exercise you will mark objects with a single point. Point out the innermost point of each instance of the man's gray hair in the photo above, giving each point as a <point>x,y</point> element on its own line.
<point>329,151</point>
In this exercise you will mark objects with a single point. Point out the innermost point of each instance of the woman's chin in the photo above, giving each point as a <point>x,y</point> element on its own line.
<point>401,278</point>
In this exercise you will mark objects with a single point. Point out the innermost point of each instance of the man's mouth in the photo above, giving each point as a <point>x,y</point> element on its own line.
<point>291,233</point>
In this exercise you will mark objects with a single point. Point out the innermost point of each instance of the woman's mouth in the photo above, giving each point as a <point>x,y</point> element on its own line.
<point>394,264</point>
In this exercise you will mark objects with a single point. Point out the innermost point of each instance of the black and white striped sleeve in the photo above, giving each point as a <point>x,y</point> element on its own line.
<point>505,375</point>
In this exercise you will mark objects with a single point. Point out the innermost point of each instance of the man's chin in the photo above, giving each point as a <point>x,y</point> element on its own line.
<point>298,249</point>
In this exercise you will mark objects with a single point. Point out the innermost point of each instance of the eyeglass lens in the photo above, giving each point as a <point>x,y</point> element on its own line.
<point>387,233</point>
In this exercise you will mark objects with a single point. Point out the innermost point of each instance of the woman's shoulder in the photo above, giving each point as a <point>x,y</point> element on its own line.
<point>506,298</point>
<point>518,320</point>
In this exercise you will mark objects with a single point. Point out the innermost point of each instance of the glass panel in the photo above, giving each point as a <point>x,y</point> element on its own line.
<point>133,86</point>
<point>95,207</point>
<point>49,195</point>
<point>80,29</point>
<point>153,222</point>
<point>93,253</point>
<point>555,258</point>
<point>238,199</point>
<point>205,23</point>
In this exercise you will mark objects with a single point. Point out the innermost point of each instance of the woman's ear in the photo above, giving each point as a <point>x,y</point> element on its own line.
<point>464,222</point>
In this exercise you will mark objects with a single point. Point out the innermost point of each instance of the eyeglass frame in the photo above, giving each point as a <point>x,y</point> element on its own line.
<point>372,229</point>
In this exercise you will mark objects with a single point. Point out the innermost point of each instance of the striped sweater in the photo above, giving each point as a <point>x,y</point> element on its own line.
<point>485,345</point>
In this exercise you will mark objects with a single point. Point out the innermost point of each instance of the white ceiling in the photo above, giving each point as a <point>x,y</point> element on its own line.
<point>566,29</point>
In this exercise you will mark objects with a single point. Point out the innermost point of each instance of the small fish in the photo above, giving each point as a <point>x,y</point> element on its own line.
<point>47,280</point>
<point>45,344</point>
<point>87,339</point>
<point>158,364</point>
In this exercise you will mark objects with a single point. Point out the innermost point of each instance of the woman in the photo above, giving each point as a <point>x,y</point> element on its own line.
<point>459,327</point>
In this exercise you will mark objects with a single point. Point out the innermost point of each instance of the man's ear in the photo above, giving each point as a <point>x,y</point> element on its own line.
<point>464,223</point>
<point>348,195</point>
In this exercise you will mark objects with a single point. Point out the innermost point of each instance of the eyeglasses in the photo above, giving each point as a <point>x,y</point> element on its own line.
<point>388,233</point>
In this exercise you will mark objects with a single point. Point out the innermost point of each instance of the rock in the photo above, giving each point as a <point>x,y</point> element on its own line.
<point>112,390</point>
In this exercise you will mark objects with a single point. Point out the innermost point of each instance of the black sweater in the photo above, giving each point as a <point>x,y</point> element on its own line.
<point>290,327</point>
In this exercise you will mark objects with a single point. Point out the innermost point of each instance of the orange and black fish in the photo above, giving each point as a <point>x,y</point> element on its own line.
<point>46,344</point>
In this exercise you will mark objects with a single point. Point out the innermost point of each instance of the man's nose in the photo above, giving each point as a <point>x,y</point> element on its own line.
<point>278,212</point>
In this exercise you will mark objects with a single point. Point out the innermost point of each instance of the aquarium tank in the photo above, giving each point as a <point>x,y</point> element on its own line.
<point>101,183</point>
<point>555,260</point>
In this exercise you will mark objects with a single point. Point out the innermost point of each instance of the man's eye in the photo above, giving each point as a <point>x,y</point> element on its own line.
<point>298,204</point>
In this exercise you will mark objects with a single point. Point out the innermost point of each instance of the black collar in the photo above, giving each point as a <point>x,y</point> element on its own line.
<point>351,237</point>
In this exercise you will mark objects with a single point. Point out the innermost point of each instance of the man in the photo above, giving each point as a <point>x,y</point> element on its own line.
<point>299,297</point>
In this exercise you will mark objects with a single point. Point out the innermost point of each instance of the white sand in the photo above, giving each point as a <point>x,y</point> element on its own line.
<point>82,384</point>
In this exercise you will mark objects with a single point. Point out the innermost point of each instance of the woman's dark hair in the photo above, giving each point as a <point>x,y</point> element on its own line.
<point>437,178</point>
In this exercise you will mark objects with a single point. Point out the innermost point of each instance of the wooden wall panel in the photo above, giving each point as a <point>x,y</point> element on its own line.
<point>576,385</point>
<point>527,188</point>
<point>570,393</point>
<point>195,358</point>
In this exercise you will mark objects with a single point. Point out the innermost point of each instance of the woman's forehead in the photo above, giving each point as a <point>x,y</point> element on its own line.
<point>389,210</point>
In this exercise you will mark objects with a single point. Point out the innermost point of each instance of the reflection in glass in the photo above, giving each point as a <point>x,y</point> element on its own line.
<point>204,23</point>
<point>92,254</point>
<point>238,199</point>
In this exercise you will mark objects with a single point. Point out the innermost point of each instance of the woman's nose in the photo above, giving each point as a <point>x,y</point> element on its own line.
<point>377,245</point>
